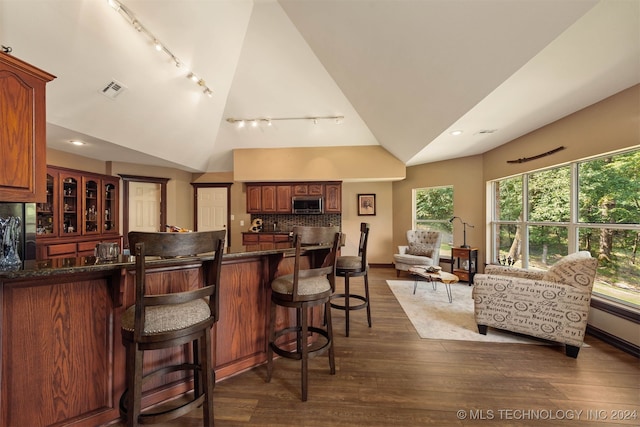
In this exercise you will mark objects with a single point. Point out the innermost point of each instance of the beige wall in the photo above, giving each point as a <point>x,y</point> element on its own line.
<point>465,175</point>
<point>379,248</point>
<point>372,163</point>
<point>609,125</point>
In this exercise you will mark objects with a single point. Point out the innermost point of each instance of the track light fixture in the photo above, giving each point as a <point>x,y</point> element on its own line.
<point>464,232</point>
<point>128,15</point>
<point>267,121</point>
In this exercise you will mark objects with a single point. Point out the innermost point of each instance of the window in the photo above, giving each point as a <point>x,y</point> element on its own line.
<point>589,205</point>
<point>433,208</point>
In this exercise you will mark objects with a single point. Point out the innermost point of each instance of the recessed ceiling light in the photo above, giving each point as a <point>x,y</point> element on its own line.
<point>76,142</point>
<point>456,132</point>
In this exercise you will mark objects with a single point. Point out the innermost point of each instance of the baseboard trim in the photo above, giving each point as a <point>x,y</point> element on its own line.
<point>617,342</point>
<point>382,265</point>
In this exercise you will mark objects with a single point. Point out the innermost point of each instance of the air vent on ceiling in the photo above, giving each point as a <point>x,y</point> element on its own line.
<point>486,131</point>
<point>113,89</point>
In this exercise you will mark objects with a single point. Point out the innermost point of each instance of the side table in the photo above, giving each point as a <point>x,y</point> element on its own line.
<point>464,263</point>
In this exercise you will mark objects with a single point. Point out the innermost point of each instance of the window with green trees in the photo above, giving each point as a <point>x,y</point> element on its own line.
<point>433,208</point>
<point>592,205</point>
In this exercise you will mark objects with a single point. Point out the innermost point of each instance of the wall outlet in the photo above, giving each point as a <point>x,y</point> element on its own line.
<point>241,223</point>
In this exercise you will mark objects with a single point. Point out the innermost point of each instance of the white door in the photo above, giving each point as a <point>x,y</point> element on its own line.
<point>212,208</point>
<point>144,206</point>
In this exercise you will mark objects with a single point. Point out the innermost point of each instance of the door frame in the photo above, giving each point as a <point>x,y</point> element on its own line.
<point>126,179</point>
<point>227,185</point>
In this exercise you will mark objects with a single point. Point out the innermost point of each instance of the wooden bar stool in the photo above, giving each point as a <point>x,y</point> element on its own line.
<point>170,319</point>
<point>348,266</point>
<point>305,288</point>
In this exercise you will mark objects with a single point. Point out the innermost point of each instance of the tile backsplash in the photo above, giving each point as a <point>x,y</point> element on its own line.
<point>287,222</point>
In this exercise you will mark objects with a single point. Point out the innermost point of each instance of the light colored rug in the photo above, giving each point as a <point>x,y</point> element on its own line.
<point>434,317</point>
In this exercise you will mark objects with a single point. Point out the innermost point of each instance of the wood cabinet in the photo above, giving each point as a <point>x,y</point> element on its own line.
<point>254,198</point>
<point>22,131</point>
<point>464,263</point>
<point>308,189</point>
<point>271,198</point>
<point>333,198</point>
<point>80,210</point>
<point>265,241</point>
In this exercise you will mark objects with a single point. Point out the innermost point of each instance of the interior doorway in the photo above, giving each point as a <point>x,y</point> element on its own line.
<point>144,204</point>
<point>212,207</point>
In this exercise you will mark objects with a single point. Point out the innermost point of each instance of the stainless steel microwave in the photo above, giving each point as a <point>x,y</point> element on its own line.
<point>307,205</point>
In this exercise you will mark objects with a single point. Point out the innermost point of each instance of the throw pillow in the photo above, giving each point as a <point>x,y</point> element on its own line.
<point>579,273</point>
<point>420,249</point>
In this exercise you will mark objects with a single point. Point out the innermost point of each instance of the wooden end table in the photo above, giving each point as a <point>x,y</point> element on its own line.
<point>434,278</point>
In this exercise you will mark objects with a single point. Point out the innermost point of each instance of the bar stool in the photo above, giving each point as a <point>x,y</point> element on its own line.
<point>171,319</point>
<point>306,288</point>
<point>354,266</point>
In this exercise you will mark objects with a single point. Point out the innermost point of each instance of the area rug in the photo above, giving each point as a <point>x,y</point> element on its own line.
<point>434,317</point>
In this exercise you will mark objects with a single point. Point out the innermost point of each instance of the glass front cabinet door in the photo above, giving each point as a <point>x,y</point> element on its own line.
<point>110,207</point>
<point>47,212</point>
<point>71,204</point>
<point>92,206</point>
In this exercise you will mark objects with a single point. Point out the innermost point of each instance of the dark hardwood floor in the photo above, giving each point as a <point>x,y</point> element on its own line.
<point>389,376</point>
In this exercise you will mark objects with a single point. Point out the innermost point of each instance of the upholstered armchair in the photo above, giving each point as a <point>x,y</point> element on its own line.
<point>552,305</point>
<point>422,249</point>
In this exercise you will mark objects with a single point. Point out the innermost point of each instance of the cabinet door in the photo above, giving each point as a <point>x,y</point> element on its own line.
<point>110,206</point>
<point>71,205</point>
<point>269,198</point>
<point>22,132</point>
<point>283,199</point>
<point>333,198</point>
<point>91,205</point>
<point>254,198</point>
<point>316,189</point>
<point>47,213</point>
<point>300,189</point>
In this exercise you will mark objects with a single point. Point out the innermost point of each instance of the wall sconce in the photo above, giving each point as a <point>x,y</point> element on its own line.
<point>464,232</point>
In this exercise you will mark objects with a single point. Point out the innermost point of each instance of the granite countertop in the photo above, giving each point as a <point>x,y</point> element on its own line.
<point>60,266</point>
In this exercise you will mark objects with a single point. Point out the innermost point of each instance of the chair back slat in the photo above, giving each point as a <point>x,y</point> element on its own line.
<point>362,247</point>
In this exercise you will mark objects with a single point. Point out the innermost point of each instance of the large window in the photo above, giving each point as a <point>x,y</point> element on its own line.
<point>433,208</point>
<point>589,205</point>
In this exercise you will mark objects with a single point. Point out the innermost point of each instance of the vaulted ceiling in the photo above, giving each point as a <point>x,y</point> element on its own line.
<point>403,73</point>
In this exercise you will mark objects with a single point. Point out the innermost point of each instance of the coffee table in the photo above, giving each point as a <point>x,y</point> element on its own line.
<point>434,278</point>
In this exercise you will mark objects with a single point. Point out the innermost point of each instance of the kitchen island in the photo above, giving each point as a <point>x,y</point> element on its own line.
<point>62,360</point>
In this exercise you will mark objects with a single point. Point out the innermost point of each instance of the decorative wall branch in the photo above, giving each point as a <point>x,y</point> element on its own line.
<point>528,159</point>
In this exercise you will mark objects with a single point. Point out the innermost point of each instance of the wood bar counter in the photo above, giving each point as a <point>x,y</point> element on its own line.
<point>62,360</point>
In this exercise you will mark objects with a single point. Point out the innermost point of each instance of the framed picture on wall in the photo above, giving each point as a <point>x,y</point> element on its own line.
<point>366,204</point>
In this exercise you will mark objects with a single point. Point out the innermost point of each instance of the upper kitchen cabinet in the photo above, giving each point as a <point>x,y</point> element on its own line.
<point>23,162</point>
<point>333,197</point>
<point>275,198</point>
<point>308,189</point>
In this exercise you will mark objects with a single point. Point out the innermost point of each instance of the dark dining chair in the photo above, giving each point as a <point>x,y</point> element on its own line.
<point>349,266</point>
<point>171,318</point>
<point>307,287</point>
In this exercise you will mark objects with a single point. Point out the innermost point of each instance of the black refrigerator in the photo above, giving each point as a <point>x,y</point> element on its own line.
<point>17,234</point>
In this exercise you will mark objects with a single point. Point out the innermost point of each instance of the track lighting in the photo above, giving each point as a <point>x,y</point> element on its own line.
<point>128,15</point>
<point>267,121</point>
